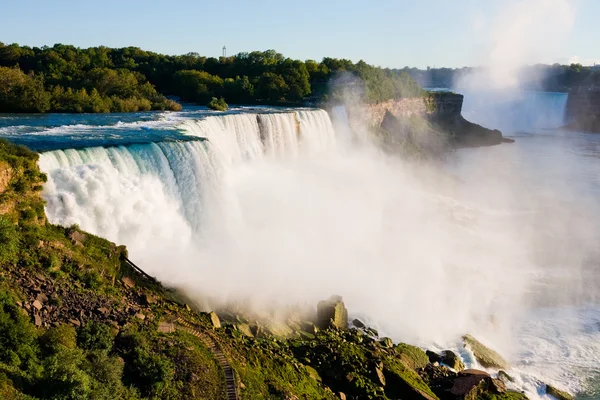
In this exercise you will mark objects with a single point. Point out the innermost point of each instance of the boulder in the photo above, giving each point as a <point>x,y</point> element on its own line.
<point>433,357</point>
<point>487,357</point>
<point>411,356</point>
<point>452,360</point>
<point>77,237</point>
<point>505,377</point>
<point>128,282</point>
<point>380,376</point>
<point>404,383</point>
<point>37,304</point>
<point>149,299</point>
<point>557,393</point>
<point>358,323</point>
<point>466,381</point>
<point>386,342</point>
<point>244,329</point>
<point>332,313</point>
<point>214,319</point>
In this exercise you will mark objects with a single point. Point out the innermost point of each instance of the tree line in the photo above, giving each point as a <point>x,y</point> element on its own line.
<point>64,78</point>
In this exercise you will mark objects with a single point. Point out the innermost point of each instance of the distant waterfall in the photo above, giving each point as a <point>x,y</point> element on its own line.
<point>516,111</point>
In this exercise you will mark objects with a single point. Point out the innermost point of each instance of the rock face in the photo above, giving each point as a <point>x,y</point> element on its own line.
<point>332,313</point>
<point>583,110</point>
<point>484,355</point>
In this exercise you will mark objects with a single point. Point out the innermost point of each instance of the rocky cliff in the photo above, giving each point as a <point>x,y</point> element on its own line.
<point>583,110</point>
<point>435,115</point>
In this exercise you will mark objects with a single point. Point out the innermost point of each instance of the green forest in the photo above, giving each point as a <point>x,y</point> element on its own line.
<point>64,78</point>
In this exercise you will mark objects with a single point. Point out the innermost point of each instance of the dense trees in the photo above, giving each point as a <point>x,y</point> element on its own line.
<point>99,79</point>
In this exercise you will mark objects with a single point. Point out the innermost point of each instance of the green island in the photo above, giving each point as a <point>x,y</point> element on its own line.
<point>79,321</point>
<point>64,78</point>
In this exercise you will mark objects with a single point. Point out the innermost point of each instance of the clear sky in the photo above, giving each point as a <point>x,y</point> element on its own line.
<point>391,33</point>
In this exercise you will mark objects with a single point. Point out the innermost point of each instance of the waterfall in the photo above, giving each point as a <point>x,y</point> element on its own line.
<point>516,112</point>
<point>118,192</point>
<point>269,209</point>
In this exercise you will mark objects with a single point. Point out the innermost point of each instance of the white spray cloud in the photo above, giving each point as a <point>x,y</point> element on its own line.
<point>525,31</point>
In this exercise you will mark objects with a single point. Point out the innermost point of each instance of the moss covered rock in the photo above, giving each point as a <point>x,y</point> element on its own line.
<point>484,355</point>
<point>557,393</point>
<point>411,356</point>
<point>332,313</point>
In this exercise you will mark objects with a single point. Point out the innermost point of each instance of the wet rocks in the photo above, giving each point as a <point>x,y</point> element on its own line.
<point>452,360</point>
<point>484,355</point>
<point>557,393</point>
<point>433,357</point>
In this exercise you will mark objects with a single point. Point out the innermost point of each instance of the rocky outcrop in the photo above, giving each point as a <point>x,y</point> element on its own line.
<point>432,123</point>
<point>583,110</point>
<point>332,313</point>
<point>484,355</point>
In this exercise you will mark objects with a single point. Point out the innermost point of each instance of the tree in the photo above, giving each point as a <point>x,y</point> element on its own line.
<point>22,93</point>
<point>271,86</point>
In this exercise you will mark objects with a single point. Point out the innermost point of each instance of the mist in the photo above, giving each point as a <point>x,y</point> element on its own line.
<point>522,33</point>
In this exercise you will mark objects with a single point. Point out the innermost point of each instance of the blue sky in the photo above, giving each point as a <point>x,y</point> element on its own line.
<point>390,33</point>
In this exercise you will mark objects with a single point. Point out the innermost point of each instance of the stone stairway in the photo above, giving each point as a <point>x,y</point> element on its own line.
<point>231,386</point>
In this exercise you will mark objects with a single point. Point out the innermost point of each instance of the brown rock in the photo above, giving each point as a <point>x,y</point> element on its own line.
<point>128,282</point>
<point>497,386</point>
<point>149,299</point>
<point>380,376</point>
<point>42,298</point>
<point>214,319</point>
<point>75,322</point>
<point>77,237</point>
<point>467,380</point>
<point>37,319</point>
<point>37,304</point>
<point>140,316</point>
<point>102,310</point>
<point>342,396</point>
<point>332,313</point>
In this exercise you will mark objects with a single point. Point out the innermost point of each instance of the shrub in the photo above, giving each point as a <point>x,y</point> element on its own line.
<point>95,336</point>
<point>218,104</point>
<point>59,338</point>
<point>18,338</point>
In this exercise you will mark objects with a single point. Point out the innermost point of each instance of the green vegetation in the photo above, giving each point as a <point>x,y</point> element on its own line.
<point>65,78</point>
<point>218,104</point>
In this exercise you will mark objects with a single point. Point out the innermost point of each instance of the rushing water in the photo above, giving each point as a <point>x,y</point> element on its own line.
<point>273,206</point>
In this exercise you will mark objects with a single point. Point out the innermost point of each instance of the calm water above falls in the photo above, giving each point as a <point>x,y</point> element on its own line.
<point>515,238</point>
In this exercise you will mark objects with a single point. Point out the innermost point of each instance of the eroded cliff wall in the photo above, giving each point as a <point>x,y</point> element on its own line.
<point>583,110</point>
